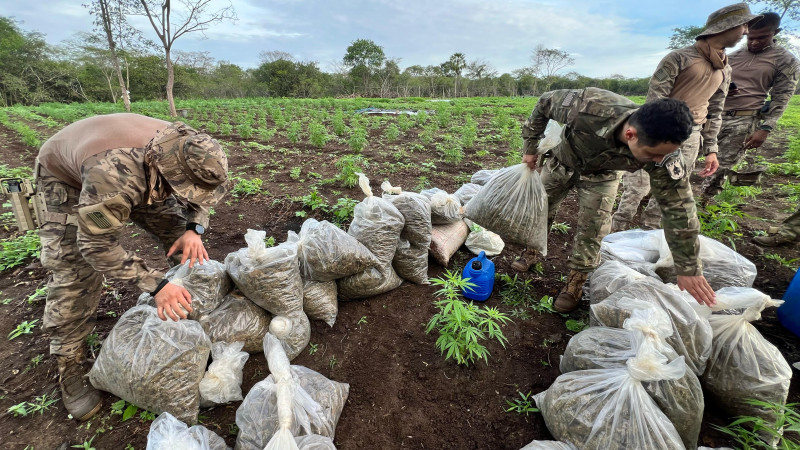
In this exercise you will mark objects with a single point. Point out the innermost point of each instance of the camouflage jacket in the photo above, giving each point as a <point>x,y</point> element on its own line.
<point>777,73</point>
<point>664,78</point>
<point>588,145</point>
<point>115,184</point>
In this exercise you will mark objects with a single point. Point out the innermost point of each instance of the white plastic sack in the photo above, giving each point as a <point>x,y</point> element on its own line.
<point>222,383</point>
<point>481,240</point>
<point>319,301</point>
<point>744,365</point>
<point>445,208</point>
<point>513,204</point>
<point>154,364</point>
<point>237,319</point>
<point>481,177</point>
<point>549,445</point>
<point>314,442</point>
<point>609,278</point>
<point>270,277</point>
<point>609,408</point>
<point>552,136</point>
<point>466,192</point>
<point>326,252</point>
<point>169,433</point>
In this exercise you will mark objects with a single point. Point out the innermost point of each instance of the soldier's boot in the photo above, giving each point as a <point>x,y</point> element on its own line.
<point>525,261</point>
<point>569,296</point>
<point>80,398</point>
<point>774,240</point>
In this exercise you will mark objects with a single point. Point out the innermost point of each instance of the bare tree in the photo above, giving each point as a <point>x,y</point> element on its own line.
<point>195,16</point>
<point>274,55</point>
<point>202,62</point>
<point>547,62</point>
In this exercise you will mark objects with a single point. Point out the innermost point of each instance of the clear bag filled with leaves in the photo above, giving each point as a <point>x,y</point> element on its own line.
<point>237,319</point>
<point>483,176</point>
<point>608,278</point>
<point>416,211</point>
<point>270,277</point>
<point>169,433</point>
<point>326,252</point>
<point>208,284</point>
<point>411,262</point>
<point>549,445</point>
<point>513,204</point>
<point>293,330</point>
<point>320,300</point>
<point>743,365</point>
<point>691,335</point>
<point>466,192</point>
<point>154,364</point>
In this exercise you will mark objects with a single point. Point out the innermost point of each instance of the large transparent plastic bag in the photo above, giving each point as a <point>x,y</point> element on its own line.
<point>376,224</point>
<point>513,204</point>
<point>270,277</point>
<point>691,335</point>
<point>446,240</point>
<point>445,208</point>
<point>483,176</point>
<point>154,364</point>
<point>549,445</point>
<point>609,408</point>
<point>314,442</point>
<point>326,252</point>
<point>416,211</point>
<point>609,278</point>
<point>482,240</point>
<point>647,252</point>
<point>743,365</point>
<point>222,383</point>
<point>169,433</point>
<point>411,262</point>
<point>466,192</point>
<point>293,330</point>
<point>681,400</point>
<point>208,284</point>
<point>292,401</point>
<point>320,300</point>
<point>237,319</point>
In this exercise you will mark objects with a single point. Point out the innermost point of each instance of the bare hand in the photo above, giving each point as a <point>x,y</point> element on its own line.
<point>733,92</point>
<point>699,288</point>
<point>173,300</point>
<point>530,160</point>
<point>711,165</point>
<point>191,245</point>
<point>756,139</point>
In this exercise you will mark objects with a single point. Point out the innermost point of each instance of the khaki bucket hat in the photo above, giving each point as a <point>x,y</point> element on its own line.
<point>726,18</point>
<point>193,164</point>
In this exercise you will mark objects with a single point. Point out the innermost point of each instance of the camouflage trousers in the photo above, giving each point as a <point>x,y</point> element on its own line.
<point>73,292</point>
<point>790,227</point>
<point>636,186</point>
<point>596,194</point>
<point>731,139</point>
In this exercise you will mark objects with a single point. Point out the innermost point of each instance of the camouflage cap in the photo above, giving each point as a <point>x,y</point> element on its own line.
<point>193,164</point>
<point>726,18</point>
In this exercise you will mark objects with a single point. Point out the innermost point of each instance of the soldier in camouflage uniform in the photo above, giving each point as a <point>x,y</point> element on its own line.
<point>95,176</point>
<point>789,232</point>
<point>603,134</point>
<point>762,68</point>
<point>699,75</point>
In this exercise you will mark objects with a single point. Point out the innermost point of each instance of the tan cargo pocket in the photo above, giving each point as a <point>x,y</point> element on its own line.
<point>106,217</point>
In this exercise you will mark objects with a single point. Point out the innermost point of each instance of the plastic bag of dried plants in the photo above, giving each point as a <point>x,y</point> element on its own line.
<point>237,319</point>
<point>154,364</point>
<point>326,252</point>
<point>320,300</point>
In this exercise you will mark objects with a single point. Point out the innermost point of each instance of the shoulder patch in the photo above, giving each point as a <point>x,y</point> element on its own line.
<point>675,166</point>
<point>661,74</point>
<point>569,98</point>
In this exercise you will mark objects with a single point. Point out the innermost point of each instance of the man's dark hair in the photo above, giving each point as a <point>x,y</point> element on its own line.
<point>767,20</point>
<point>662,120</point>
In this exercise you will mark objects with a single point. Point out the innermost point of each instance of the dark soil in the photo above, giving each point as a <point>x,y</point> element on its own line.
<point>403,393</point>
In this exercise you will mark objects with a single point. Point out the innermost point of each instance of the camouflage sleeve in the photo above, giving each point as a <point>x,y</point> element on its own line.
<point>679,218</point>
<point>552,105</point>
<point>197,214</point>
<point>100,223</point>
<point>715,106</point>
<point>663,78</point>
<point>783,87</point>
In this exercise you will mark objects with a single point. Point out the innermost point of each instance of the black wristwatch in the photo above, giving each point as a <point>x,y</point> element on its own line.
<point>196,227</point>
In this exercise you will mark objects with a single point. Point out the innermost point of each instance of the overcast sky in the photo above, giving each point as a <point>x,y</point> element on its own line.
<point>604,37</point>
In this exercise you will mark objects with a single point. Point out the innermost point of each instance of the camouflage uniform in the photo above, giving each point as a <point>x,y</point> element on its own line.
<point>790,228</point>
<point>636,185</point>
<point>80,239</point>
<point>589,158</point>
<point>778,71</point>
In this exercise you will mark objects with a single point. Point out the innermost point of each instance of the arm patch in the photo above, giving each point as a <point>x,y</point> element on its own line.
<point>106,217</point>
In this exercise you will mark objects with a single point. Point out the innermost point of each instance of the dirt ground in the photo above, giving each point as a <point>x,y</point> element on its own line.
<point>403,393</point>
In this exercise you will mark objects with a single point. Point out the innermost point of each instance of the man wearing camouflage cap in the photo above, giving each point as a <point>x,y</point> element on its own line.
<point>698,75</point>
<point>94,176</point>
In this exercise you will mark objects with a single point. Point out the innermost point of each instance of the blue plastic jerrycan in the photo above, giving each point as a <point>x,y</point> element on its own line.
<point>789,312</point>
<point>480,271</point>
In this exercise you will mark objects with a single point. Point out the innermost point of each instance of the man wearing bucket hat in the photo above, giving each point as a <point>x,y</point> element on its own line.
<point>698,75</point>
<point>761,69</point>
<point>94,177</point>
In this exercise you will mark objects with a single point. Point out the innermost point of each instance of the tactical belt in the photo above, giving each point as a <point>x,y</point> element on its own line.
<point>741,112</point>
<point>60,218</point>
